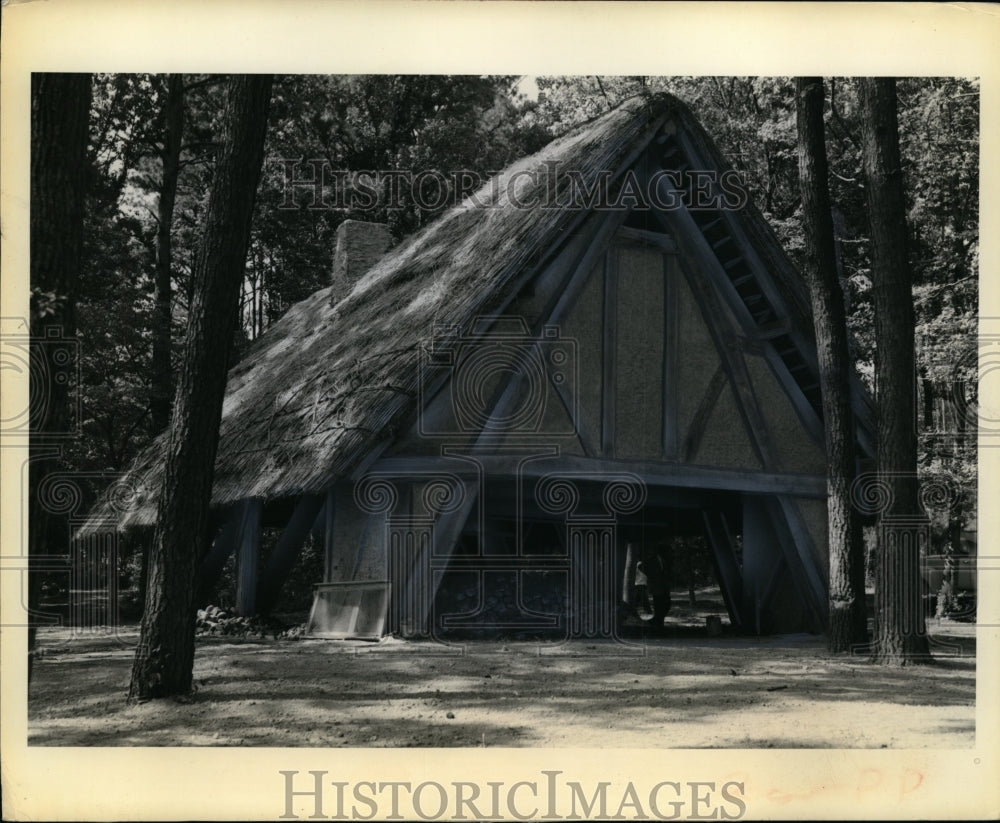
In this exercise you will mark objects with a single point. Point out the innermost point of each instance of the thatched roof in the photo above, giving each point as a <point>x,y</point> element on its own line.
<point>327,384</point>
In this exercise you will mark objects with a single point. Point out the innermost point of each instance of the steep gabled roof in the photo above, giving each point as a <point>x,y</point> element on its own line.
<point>328,384</point>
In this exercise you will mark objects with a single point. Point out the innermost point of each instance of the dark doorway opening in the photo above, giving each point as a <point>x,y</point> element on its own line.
<point>514,572</point>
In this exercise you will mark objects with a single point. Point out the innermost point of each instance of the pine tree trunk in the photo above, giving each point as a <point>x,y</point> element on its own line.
<point>847,620</point>
<point>143,568</point>
<point>170,155</point>
<point>60,109</point>
<point>165,655</point>
<point>900,632</point>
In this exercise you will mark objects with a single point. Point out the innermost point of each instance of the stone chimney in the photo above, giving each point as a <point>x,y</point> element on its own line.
<point>360,245</point>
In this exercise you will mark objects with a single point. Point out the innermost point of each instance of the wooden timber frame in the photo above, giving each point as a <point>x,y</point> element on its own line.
<point>409,585</point>
<point>722,338</point>
<point>769,494</point>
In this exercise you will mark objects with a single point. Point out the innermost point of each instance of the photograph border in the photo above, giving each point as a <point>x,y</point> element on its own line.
<point>302,36</point>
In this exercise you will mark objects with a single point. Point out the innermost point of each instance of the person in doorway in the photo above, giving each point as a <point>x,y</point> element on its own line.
<point>655,570</point>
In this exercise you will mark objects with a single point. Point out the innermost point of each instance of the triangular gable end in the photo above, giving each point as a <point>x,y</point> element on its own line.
<point>652,363</point>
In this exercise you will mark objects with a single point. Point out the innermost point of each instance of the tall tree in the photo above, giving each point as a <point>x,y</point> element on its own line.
<point>847,622</point>
<point>900,632</point>
<point>165,655</point>
<point>60,104</point>
<point>161,388</point>
<point>170,156</point>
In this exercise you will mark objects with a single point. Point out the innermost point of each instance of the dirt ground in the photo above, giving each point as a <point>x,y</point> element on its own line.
<point>682,690</point>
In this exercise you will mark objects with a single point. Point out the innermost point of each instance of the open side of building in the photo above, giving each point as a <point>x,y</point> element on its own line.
<point>603,349</point>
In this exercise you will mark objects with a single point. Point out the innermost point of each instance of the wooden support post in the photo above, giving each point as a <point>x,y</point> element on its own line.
<point>319,524</point>
<point>248,556</point>
<point>727,345</point>
<point>730,579</point>
<point>788,517</point>
<point>695,432</point>
<point>286,552</point>
<point>763,564</point>
<point>421,587</point>
<point>215,560</point>
<point>671,356</point>
<point>329,512</point>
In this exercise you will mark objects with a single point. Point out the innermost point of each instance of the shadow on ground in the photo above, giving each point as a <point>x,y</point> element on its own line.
<point>679,690</point>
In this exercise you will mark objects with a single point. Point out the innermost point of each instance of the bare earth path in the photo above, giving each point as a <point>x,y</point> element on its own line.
<point>674,692</point>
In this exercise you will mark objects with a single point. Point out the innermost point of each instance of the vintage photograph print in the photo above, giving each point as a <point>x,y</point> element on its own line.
<point>503,411</point>
<point>500,417</point>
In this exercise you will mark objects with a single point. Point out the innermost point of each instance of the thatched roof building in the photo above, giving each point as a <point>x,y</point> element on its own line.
<point>688,293</point>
